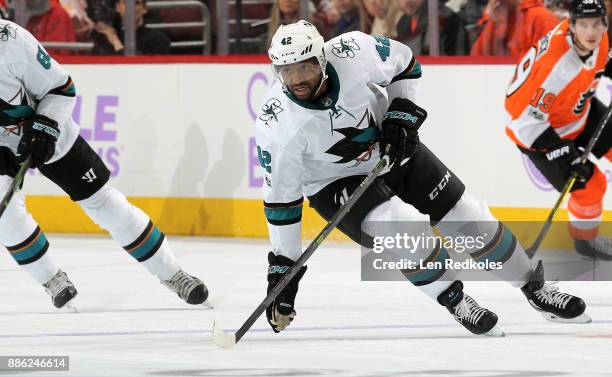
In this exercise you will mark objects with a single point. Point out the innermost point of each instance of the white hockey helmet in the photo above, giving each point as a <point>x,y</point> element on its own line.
<point>295,43</point>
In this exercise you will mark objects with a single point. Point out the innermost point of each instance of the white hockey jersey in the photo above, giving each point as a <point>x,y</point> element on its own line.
<point>32,82</point>
<point>304,146</point>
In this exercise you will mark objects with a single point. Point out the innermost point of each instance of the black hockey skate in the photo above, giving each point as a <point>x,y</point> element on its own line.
<point>61,289</point>
<point>599,247</point>
<point>467,312</point>
<point>555,306</point>
<point>189,288</point>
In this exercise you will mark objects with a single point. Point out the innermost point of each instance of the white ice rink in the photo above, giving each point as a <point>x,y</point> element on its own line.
<point>130,325</point>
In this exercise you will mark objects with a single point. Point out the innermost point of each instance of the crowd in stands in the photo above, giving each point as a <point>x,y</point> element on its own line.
<point>466,27</point>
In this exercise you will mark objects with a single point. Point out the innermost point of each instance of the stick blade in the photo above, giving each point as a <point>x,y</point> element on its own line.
<point>222,338</point>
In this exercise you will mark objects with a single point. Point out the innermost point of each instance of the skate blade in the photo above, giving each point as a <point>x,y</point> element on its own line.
<point>222,338</point>
<point>495,332</point>
<point>582,318</point>
<point>70,306</point>
<point>208,305</point>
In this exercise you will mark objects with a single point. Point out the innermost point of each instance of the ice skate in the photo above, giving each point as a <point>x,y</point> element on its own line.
<point>61,290</point>
<point>599,247</point>
<point>555,306</point>
<point>189,288</point>
<point>466,311</point>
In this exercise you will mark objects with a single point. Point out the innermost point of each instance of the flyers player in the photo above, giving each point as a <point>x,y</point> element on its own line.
<point>551,115</point>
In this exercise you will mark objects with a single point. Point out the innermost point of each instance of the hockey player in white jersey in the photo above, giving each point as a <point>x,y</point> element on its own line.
<point>36,101</point>
<point>322,125</point>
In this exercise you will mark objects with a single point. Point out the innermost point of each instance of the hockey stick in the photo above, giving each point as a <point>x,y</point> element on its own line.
<point>228,340</point>
<point>17,181</point>
<point>569,184</point>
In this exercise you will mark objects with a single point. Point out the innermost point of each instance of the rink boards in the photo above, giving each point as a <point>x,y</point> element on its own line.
<point>178,139</point>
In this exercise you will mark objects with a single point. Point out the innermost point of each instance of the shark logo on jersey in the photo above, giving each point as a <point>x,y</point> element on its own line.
<point>345,49</point>
<point>14,110</point>
<point>7,31</point>
<point>357,143</point>
<point>270,111</point>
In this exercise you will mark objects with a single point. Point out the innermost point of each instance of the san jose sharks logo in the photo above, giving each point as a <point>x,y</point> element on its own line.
<point>270,111</point>
<point>7,31</point>
<point>10,114</point>
<point>358,143</point>
<point>345,49</point>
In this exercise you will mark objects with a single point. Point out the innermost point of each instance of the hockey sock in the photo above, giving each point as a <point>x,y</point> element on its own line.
<point>133,230</point>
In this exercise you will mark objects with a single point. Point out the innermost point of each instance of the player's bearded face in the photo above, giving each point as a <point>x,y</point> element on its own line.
<point>588,32</point>
<point>301,79</point>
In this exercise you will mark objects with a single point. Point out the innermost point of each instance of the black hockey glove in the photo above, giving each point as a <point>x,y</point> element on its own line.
<point>608,69</point>
<point>566,157</point>
<point>400,138</point>
<point>39,135</point>
<point>280,313</point>
<point>8,162</point>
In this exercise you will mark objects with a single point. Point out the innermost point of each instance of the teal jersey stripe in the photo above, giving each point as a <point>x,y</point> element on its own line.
<point>148,245</point>
<point>71,90</point>
<point>368,134</point>
<point>416,70</point>
<point>32,250</point>
<point>19,111</point>
<point>280,214</point>
<point>430,274</point>
<point>500,252</point>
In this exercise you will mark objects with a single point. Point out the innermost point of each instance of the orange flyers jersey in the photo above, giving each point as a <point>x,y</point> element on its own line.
<point>552,87</point>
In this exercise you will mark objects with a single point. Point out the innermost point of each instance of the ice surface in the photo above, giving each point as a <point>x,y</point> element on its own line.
<point>130,325</point>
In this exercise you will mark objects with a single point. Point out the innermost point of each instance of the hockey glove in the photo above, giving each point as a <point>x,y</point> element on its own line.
<point>400,138</point>
<point>280,313</point>
<point>566,157</point>
<point>8,163</point>
<point>39,135</point>
<point>608,68</point>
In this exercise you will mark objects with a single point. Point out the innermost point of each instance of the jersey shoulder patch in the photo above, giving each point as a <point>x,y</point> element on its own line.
<point>8,31</point>
<point>273,107</point>
<point>345,46</point>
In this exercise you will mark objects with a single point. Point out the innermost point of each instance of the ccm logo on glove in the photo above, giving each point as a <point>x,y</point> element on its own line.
<point>400,115</point>
<point>46,129</point>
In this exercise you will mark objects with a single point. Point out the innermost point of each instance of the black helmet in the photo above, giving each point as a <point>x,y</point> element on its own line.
<point>587,9</point>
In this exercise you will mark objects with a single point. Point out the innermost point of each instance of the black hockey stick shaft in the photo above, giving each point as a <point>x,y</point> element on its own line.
<point>570,183</point>
<point>17,181</point>
<point>331,224</point>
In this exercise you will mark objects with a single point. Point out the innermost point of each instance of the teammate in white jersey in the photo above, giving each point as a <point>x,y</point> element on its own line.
<point>319,132</point>
<point>36,101</point>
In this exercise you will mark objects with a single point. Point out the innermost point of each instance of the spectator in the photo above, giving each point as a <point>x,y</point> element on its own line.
<point>81,23</point>
<point>49,22</point>
<point>471,12</point>
<point>324,17</point>
<point>413,30</point>
<point>4,10</point>
<point>511,27</point>
<point>352,17</point>
<point>283,12</point>
<point>148,41</point>
<point>384,15</point>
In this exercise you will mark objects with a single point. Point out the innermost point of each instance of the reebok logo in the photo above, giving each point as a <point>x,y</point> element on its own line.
<point>89,176</point>
<point>553,155</point>
<point>440,186</point>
